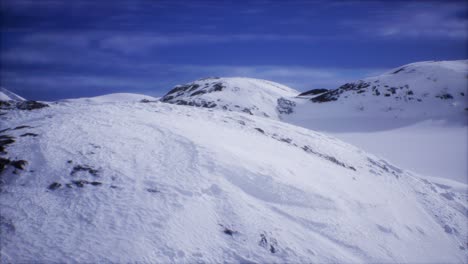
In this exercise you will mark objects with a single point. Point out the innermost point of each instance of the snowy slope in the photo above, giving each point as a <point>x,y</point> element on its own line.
<point>154,182</point>
<point>115,97</point>
<point>6,95</point>
<point>252,96</point>
<point>415,115</point>
<point>418,90</point>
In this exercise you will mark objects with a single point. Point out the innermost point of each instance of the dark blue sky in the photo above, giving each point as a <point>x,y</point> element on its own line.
<point>52,49</point>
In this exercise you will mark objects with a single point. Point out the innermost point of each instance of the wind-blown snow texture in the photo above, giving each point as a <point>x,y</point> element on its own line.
<point>154,182</point>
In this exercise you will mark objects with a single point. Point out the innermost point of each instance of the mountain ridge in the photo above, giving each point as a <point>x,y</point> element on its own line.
<point>128,178</point>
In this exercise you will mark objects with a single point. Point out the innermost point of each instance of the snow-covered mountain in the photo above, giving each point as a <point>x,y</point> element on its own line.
<point>415,115</point>
<point>212,173</point>
<point>155,182</point>
<point>252,96</point>
<point>417,90</point>
<point>6,95</point>
<point>10,100</point>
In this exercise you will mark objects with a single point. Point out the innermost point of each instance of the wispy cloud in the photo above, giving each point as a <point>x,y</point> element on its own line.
<point>156,79</point>
<point>139,42</point>
<point>129,43</point>
<point>429,19</point>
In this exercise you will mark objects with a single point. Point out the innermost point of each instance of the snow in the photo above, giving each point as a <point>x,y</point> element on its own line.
<point>415,126</point>
<point>253,96</point>
<point>239,173</point>
<point>6,95</point>
<point>185,185</point>
<point>111,98</point>
<point>432,148</point>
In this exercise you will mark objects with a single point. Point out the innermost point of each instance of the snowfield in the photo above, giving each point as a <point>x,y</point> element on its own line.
<point>414,115</point>
<point>128,181</point>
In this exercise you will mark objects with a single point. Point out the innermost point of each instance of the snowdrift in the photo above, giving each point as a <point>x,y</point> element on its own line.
<point>155,182</point>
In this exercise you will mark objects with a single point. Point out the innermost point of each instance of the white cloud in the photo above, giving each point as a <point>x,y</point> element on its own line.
<point>416,20</point>
<point>129,43</point>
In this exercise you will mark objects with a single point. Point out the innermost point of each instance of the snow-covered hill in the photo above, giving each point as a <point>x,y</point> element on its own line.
<point>415,115</point>
<point>6,95</point>
<point>418,90</point>
<point>155,182</point>
<point>10,100</point>
<point>252,96</point>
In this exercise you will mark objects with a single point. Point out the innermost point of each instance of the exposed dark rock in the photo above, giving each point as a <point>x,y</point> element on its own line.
<point>167,98</point>
<point>326,97</point>
<point>2,137</point>
<point>445,96</point>
<point>31,105</point>
<point>260,130</point>
<point>271,245</point>
<point>179,88</point>
<point>22,127</point>
<point>246,110</point>
<point>152,190</point>
<point>54,186</point>
<point>314,92</point>
<point>95,183</point>
<point>79,168</point>
<point>217,87</point>
<point>333,95</point>
<point>228,231</point>
<point>3,163</point>
<point>145,101</point>
<point>263,241</point>
<point>29,135</point>
<point>22,105</point>
<point>285,106</point>
<point>80,183</point>
<point>399,70</point>
<point>287,140</point>
<point>194,87</point>
<point>198,92</point>
<point>308,149</point>
<point>19,164</point>
<point>5,142</point>
<point>6,104</point>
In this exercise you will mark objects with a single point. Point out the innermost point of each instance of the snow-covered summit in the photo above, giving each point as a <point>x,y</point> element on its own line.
<point>6,95</point>
<point>252,96</point>
<point>431,89</point>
